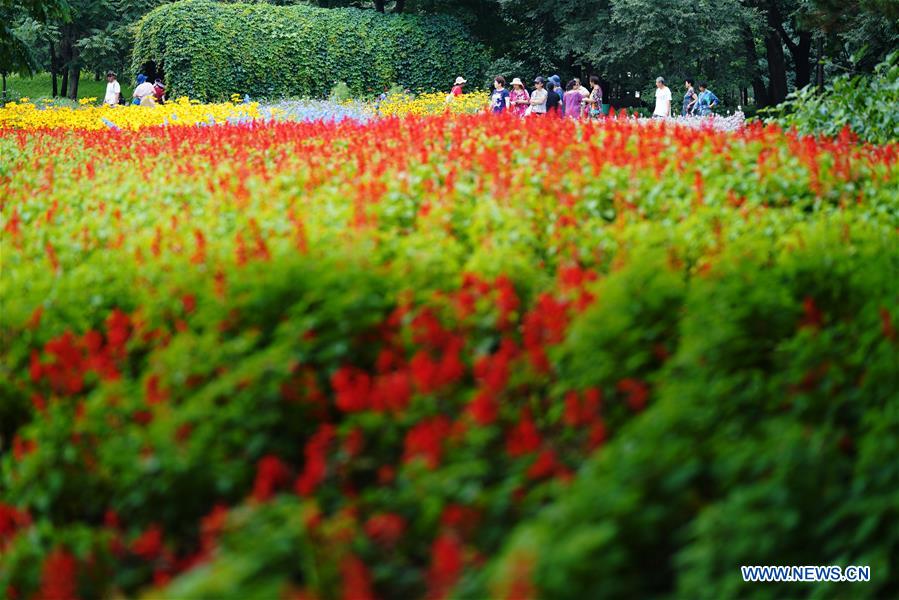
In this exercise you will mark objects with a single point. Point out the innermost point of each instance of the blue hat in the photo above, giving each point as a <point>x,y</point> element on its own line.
<point>141,78</point>
<point>556,80</point>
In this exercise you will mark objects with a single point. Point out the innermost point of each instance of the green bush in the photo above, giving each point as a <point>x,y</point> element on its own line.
<point>866,104</point>
<point>209,50</point>
<point>768,443</point>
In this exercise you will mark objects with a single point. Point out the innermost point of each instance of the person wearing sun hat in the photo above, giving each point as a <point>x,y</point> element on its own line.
<point>519,99</point>
<point>457,87</point>
<point>555,86</point>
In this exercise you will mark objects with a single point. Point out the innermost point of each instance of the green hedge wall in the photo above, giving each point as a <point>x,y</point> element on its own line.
<point>210,50</point>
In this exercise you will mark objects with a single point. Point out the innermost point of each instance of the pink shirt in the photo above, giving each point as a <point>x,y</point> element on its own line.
<point>516,94</point>
<point>572,100</point>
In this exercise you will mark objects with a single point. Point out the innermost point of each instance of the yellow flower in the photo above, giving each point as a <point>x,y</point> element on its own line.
<point>178,113</point>
<point>432,103</point>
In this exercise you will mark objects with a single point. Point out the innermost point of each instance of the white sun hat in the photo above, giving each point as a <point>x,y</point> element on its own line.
<point>517,81</point>
<point>460,81</point>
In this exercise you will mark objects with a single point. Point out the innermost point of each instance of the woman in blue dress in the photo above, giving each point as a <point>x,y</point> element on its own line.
<point>706,100</point>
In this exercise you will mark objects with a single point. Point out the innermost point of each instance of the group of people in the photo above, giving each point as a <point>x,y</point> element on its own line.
<point>577,101</point>
<point>546,98</point>
<point>145,93</point>
<point>695,104</point>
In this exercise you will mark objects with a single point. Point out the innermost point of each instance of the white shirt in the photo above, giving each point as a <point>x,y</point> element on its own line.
<point>112,93</point>
<point>144,89</point>
<point>663,102</point>
<point>540,96</point>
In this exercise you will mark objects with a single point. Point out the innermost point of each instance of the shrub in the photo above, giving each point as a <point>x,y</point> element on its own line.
<point>767,443</point>
<point>340,93</point>
<point>866,104</point>
<point>209,50</point>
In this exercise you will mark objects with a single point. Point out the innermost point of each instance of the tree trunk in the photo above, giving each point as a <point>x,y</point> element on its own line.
<point>379,5</point>
<point>65,58</point>
<point>54,68</point>
<point>802,59</point>
<point>777,64</point>
<point>819,68</point>
<point>400,6</point>
<point>800,51</point>
<point>759,93</point>
<point>3,75</point>
<point>74,75</point>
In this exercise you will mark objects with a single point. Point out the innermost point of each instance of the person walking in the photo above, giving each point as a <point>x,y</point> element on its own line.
<point>706,100</point>
<point>539,98</point>
<point>594,100</point>
<point>159,91</point>
<point>572,100</point>
<point>144,88</point>
<point>457,86</point>
<point>499,99</point>
<point>113,90</point>
<point>519,98</point>
<point>663,100</point>
<point>689,99</point>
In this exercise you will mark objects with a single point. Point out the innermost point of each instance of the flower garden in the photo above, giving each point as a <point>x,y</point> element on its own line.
<point>433,356</point>
<point>183,111</point>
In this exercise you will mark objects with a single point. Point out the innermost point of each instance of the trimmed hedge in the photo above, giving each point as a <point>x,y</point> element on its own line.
<point>210,50</point>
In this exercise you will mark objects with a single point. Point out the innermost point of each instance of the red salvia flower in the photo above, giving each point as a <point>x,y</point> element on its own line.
<point>425,372</point>
<point>544,466</point>
<point>316,466</point>
<point>353,442</point>
<point>22,447</point>
<point>391,392</point>
<point>34,321</point>
<point>524,437</point>
<point>483,408</point>
<point>11,520</point>
<point>59,575</point>
<point>812,316</point>
<point>889,331</point>
<point>352,388</point>
<point>356,579</point>
<point>637,393</point>
<point>271,474</point>
<point>425,440</point>
<point>212,525</point>
<point>447,563</point>
<point>386,529</point>
<point>148,545</point>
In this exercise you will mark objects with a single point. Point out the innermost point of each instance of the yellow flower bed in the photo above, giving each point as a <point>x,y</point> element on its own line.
<point>431,104</point>
<point>25,115</point>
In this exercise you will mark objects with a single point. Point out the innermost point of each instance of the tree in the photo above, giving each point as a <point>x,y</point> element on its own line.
<point>631,42</point>
<point>15,55</point>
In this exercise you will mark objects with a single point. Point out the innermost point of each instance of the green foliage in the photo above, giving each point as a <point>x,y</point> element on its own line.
<point>768,443</point>
<point>866,104</point>
<point>341,92</point>
<point>209,50</point>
